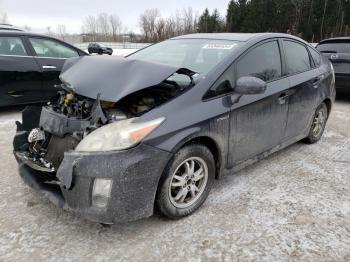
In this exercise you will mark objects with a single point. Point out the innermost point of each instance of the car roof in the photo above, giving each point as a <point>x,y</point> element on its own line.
<point>10,27</point>
<point>17,32</point>
<point>24,33</point>
<point>242,37</point>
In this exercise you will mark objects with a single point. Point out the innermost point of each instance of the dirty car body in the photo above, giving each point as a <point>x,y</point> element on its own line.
<point>101,147</point>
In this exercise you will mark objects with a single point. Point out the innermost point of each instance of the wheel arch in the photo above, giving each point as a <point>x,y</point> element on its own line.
<point>329,105</point>
<point>211,144</point>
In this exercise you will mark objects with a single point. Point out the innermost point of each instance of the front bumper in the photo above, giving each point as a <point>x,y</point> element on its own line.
<point>135,173</point>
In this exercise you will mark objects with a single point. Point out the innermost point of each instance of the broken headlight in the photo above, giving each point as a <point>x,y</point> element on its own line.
<point>117,136</point>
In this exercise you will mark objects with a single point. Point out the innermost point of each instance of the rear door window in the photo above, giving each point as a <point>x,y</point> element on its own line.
<point>263,62</point>
<point>297,57</point>
<point>10,45</point>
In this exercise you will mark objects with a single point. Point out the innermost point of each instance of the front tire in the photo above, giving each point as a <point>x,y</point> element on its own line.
<point>318,124</point>
<point>186,181</point>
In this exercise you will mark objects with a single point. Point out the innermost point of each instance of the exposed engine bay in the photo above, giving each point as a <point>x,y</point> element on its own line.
<point>69,117</point>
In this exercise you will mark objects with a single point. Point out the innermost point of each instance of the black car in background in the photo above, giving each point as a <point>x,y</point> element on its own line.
<point>155,129</point>
<point>337,50</point>
<point>98,48</point>
<point>30,65</point>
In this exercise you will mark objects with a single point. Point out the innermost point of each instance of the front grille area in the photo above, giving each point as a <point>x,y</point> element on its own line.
<point>57,146</point>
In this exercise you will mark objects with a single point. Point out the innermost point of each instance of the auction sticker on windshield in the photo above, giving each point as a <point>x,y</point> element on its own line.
<point>219,46</point>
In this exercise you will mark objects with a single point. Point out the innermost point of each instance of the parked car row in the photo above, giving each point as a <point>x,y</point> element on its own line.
<point>30,65</point>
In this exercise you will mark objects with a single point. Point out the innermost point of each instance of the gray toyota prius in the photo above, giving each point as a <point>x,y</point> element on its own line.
<point>154,130</point>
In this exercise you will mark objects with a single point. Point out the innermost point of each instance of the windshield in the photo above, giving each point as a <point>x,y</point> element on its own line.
<point>199,55</point>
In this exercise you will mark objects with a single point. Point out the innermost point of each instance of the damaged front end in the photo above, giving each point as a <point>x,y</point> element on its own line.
<point>46,147</point>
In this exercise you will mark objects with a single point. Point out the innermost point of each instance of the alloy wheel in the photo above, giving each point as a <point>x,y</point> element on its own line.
<point>319,122</point>
<point>188,182</point>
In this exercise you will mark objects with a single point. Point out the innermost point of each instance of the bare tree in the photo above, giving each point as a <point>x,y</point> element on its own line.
<point>323,16</point>
<point>61,31</point>
<point>147,22</point>
<point>4,18</point>
<point>103,25</point>
<point>90,27</point>
<point>155,28</point>
<point>115,26</point>
<point>179,25</point>
<point>49,31</point>
<point>170,27</point>
<point>189,20</point>
<point>160,29</point>
<point>298,7</point>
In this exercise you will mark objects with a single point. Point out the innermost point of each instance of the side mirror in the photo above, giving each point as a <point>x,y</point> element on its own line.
<point>250,85</point>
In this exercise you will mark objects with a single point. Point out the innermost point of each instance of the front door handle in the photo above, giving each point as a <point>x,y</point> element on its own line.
<point>14,94</point>
<point>49,67</point>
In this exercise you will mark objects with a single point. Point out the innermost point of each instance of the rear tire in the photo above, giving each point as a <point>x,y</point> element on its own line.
<point>318,124</point>
<point>186,181</point>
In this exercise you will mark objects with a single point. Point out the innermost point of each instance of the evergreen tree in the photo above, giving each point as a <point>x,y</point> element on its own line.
<point>312,20</point>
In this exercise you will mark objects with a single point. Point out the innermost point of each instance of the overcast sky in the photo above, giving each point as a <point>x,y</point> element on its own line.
<point>38,14</point>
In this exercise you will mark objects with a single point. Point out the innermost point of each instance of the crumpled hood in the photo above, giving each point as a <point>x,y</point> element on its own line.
<point>114,77</point>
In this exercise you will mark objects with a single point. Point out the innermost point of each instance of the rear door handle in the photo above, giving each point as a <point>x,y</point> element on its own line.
<point>282,98</point>
<point>49,67</point>
<point>317,81</point>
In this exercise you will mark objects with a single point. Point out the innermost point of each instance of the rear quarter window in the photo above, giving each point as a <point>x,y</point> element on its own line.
<point>316,57</point>
<point>297,57</point>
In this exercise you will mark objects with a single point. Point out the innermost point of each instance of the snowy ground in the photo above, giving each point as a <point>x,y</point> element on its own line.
<point>292,206</point>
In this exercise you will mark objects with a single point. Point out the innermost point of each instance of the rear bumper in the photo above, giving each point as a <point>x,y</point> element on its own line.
<point>342,82</point>
<point>135,173</point>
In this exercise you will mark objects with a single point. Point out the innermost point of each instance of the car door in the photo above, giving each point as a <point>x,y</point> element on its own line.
<point>50,54</point>
<point>20,75</point>
<point>94,48</point>
<point>257,122</point>
<point>305,79</point>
